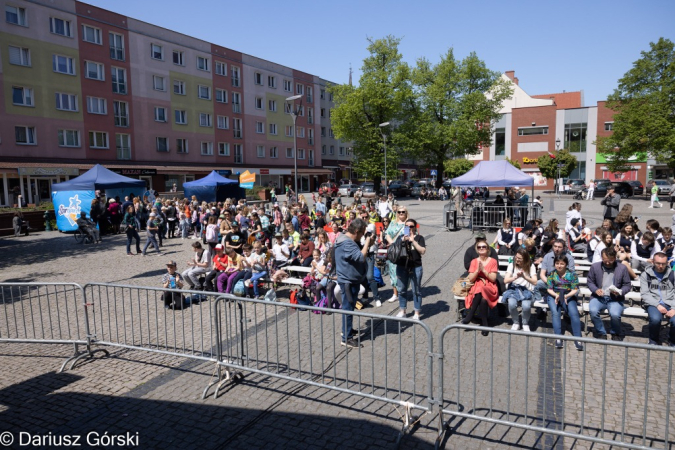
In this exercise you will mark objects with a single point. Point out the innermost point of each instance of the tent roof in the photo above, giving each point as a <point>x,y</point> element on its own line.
<point>212,179</point>
<point>494,174</point>
<point>98,178</point>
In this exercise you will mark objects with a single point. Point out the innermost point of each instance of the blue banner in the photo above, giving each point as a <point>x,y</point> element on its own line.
<point>68,205</point>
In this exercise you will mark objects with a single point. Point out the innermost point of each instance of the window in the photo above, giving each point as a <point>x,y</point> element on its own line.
<point>119,80</point>
<point>223,122</point>
<point>529,131</point>
<point>310,115</point>
<point>178,58</point>
<point>301,153</point>
<point>288,85</point>
<point>332,149</point>
<point>609,126</point>
<point>322,94</point>
<point>330,133</point>
<point>160,114</point>
<point>287,108</point>
<point>221,95</point>
<point>207,148</point>
<point>91,34</point>
<point>271,81</point>
<point>66,102</point>
<point>205,120</point>
<point>323,131</point>
<point>301,132</point>
<point>289,130</point>
<point>289,152</point>
<point>236,102</point>
<point>96,105</point>
<point>121,113</point>
<point>341,151</point>
<point>157,52</point>
<point>299,89</point>
<point>63,64</point>
<point>15,15</point>
<point>181,116</point>
<point>273,129</point>
<point>22,96</point>
<point>221,68</point>
<point>257,78</point>
<point>575,137</point>
<point>204,92</point>
<point>235,76</point>
<point>98,139</point>
<point>258,103</point>
<point>260,127</point>
<point>203,64</point>
<point>178,87</point>
<point>323,113</point>
<point>116,46</point>
<point>323,149</point>
<point>272,105</point>
<point>236,126</point>
<point>123,144</point>
<point>500,141</point>
<point>238,154</point>
<point>60,26</point>
<point>260,151</point>
<point>158,83</point>
<point>181,145</point>
<point>69,138</point>
<point>223,149</point>
<point>310,136</point>
<point>94,71</point>
<point>162,144</point>
<point>330,96</point>
<point>309,95</point>
<point>19,56</point>
<point>274,152</point>
<point>25,135</point>
<point>311,158</point>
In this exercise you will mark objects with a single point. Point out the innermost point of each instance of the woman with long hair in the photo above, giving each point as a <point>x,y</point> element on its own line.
<point>521,276</point>
<point>394,231</point>
<point>484,293</point>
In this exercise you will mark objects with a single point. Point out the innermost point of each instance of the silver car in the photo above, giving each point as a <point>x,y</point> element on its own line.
<point>347,190</point>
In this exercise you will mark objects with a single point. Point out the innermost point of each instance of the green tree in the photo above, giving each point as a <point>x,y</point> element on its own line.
<point>514,163</point>
<point>454,107</point>
<point>549,166</point>
<point>454,168</point>
<point>384,86</point>
<point>644,106</point>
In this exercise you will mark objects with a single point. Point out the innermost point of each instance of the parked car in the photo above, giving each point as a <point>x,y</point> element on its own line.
<point>638,188</point>
<point>622,188</point>
<point>347,189</point>
<point>368,190</point>
<point>664,186</point>
<point>575,186</point>
<point>416,189</point>
<point>344,181</point>
<point>399,189</point>
<point>601,187</point>
<point>329,188</point>
<point>447,184</point>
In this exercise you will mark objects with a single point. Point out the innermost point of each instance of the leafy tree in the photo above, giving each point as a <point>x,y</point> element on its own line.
<point>514,163</point>
<point>457,167</point>
<point>549,166</point>
<point>450,114</point>
<point>644,105</point>
<point>383,88</point>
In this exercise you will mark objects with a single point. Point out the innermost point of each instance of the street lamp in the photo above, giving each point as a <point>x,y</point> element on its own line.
<point>294,116</point>
<point>384,139</point>
<point>557,148</point>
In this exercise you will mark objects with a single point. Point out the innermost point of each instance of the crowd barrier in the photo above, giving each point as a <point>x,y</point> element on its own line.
<point>612,393</point>
<point>486,216</point>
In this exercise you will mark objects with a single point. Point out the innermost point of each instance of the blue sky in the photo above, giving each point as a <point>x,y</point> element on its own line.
<point>552,45</point>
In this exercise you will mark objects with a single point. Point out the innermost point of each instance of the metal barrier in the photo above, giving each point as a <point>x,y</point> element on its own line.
<point>521,380</point>
<point>291,342</point>
<point>491,216</point>
<point>46,313</point>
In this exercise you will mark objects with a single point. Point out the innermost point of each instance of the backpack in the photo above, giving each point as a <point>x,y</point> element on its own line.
<point>239,289</point>
<point>377,275</point>
<point>211,234</point>
<point>322,303</point>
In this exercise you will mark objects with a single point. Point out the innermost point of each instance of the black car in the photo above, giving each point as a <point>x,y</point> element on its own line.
<point>623,188</point>
<point>638,188</point>
<point>601,187</point>
<point>399,189</point>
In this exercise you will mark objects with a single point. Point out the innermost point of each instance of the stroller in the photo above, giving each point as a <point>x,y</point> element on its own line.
<point>581,194</point>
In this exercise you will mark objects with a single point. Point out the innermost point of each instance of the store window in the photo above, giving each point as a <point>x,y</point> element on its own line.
<point>579,172</point>
<point>575,137</point>
<point>500,141</point>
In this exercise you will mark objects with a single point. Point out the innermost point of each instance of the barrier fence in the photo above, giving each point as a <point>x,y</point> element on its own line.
<point>612,393</point>
<point>491,216</point>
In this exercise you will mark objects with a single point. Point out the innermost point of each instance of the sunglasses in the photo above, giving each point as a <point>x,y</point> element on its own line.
<point>481,247</point>
<point>402,212</point>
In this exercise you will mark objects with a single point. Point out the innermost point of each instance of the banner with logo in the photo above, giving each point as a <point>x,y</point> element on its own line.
<point>246,180</point>
<point>68,205</point>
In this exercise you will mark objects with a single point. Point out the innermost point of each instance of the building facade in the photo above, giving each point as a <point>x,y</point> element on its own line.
<point>81,85</point>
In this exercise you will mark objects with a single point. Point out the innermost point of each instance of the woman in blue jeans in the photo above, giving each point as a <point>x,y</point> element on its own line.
<point>409,271</point>
<point>521,277</point>
<point>562,287</point>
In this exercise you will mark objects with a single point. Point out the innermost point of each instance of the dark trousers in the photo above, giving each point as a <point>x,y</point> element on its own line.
<point>133,234</point>
<point>209,280</point>
<point>308,261</point>
<point>172,228</point>
<point>174,299</point>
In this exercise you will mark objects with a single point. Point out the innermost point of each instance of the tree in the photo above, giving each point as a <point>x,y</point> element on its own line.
<point>454,107</point>
<point>644,105</point>
<point>514,163</point>
<point>457,167</point>
<point>549,166</point>
<point>383,88</point>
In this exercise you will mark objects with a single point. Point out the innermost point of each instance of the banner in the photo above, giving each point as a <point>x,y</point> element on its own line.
<point>246,180</point>
<point>68,205</point>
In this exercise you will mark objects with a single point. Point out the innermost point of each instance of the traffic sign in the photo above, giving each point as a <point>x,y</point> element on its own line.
<point>560,166</point>
<point>434,173</point>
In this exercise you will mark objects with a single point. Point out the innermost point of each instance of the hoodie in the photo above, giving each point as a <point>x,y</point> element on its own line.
<point>654,291</point>
<point>350,263</point>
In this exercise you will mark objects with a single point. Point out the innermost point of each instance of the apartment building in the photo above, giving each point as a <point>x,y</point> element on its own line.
<point>336,154</point>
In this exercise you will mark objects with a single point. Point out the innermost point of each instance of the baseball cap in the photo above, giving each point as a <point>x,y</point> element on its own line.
<point>527,227</point>
<point>171,263</point>
<point>278,235</point>
<point>480,235</point>
<point>219,246</point>
<point>235,223</point>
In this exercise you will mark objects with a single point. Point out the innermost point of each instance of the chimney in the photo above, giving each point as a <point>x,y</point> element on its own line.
<point>510,73</point>
<point>515,80</point>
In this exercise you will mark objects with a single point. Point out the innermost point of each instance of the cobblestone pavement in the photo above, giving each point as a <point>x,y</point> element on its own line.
<point>158,396</point>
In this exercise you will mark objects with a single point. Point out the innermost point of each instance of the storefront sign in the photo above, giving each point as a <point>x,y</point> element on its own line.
<point>48,171</point>
<point>264,171</point>
<point>246,180</point>
<point>226,173</point>
<point>529,160</point>
<point>135,171</point>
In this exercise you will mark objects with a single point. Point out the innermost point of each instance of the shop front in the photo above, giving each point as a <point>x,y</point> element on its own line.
<point>32,184</point>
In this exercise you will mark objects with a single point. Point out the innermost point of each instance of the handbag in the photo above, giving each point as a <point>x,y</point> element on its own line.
<point>462,287</point>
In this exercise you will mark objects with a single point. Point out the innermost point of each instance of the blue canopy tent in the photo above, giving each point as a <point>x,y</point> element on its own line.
<point>213,188</point>
<point>74,196</point>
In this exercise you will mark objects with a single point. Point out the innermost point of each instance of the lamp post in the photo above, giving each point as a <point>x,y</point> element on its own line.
<point>384,139</point>
<point>557,148</point>
<point>294,116</point>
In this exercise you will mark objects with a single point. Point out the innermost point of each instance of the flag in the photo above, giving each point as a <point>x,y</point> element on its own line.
<point>551,155</point>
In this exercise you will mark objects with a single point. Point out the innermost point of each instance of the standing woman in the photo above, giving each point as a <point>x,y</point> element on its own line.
<point>132,233</point>
<point>171,219</point>
<point>506,238</point>
<point>394,230</point>
<point>484,292</point>
<point>410,270</point>
<point>563,286</point>
<point>212,233</point>
<point>115,216</point>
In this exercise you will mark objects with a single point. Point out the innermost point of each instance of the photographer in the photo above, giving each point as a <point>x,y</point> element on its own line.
<point>409,270</point>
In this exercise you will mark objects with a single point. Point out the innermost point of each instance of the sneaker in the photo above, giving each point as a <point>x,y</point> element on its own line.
<point>350,343</point>
<point>416,316</point>
<point>579,346</point>
<point>558,343</point>
<point>378,304</point>
<point>616,337</point>
<point>649,206</point>
<point>515,327</point>
<point>400,314</point>
<point>247,283</point>
<point>394,298</point>
<point>526,328</point>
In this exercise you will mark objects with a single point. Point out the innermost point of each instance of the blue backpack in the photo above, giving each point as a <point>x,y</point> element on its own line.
<point>377,274</point>
<point>239,289</point>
